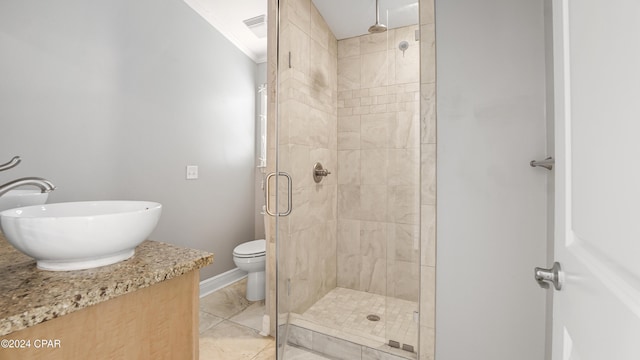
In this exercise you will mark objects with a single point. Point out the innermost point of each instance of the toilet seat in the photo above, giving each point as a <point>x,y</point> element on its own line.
<point>251,249</point>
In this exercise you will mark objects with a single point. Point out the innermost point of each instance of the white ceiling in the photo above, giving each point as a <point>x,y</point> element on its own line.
<point>346,18</point>
<point>349,18</point>
<point>227,16</point>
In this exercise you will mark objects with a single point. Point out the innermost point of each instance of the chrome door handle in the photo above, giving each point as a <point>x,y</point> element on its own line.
<point>544,277</point>
<point>266,194</point>
<point>289,195</point>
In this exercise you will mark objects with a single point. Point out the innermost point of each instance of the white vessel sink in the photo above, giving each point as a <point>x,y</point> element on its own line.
<point>80,235</point>
<point>19,198</point>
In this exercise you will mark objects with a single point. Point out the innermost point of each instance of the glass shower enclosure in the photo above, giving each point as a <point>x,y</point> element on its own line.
<point>345,157</point>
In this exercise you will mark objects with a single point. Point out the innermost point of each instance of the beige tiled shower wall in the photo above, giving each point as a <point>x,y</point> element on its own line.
<point>307,88</point>
<point>307,134</point>
<point>428,179</point>
<point>378,163</point>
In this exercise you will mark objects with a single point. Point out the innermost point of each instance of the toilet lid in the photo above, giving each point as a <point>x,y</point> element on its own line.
<point>251,248</point>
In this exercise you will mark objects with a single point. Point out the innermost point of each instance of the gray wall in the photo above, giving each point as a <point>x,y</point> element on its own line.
<point>112,99</point>
<point>491,212</point>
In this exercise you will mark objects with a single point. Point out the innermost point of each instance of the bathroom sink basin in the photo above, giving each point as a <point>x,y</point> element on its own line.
<point>19,198</point>
<point>80,235</point>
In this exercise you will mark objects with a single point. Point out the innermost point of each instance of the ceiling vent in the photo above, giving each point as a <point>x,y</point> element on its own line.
<point>257,25</point>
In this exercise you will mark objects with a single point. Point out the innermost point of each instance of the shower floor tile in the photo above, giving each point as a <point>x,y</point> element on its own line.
<point>346,310</point>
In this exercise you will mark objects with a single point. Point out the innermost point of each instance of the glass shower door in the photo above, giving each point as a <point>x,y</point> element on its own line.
<point>307,139</point>
<point>348,259</point>
<point>403,182</point>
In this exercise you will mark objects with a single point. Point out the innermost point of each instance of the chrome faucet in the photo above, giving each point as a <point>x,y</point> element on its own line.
<point>11,164</point>
<point>44,185</point>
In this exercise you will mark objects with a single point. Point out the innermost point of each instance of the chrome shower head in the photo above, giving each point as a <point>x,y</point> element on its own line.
<point>377,27</point>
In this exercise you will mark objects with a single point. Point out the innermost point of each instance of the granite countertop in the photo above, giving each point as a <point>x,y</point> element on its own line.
<point>29,296</point>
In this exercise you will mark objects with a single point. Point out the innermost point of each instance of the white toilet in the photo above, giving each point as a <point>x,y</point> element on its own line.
<point>251,257</point>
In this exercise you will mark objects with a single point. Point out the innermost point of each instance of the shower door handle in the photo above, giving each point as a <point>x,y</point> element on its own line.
<point>267,191</point>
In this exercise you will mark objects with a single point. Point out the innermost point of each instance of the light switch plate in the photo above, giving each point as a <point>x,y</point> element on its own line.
<point>192,172</point>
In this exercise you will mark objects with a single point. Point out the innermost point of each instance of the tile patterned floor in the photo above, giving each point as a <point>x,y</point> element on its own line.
<point>230,327</point>
<point>346,310</point>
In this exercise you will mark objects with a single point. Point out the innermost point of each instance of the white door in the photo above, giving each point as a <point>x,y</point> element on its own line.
<point>597,89</point>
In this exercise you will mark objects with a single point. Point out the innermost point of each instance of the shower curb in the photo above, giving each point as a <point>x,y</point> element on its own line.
<point>337,348</point>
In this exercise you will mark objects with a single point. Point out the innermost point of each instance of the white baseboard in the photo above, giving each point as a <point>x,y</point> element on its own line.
<point>217,282</point>
<point>265,325</point>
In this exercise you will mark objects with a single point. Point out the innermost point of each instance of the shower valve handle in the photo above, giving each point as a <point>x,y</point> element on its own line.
<point>319,172</point>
